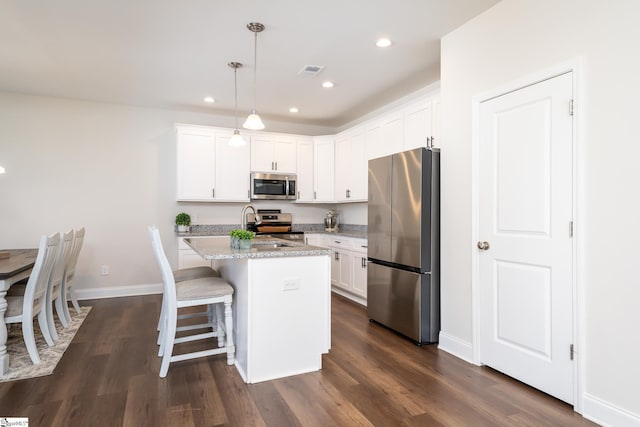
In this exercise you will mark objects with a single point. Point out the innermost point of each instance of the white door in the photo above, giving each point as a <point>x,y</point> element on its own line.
<point>525,248</point>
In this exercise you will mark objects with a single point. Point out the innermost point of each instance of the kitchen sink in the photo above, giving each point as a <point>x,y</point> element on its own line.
<point>269,245</point>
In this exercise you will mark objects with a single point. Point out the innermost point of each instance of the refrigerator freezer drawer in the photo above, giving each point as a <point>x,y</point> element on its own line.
<point>404,301</point>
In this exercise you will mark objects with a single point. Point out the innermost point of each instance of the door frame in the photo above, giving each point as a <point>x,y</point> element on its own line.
<point>578,322</point>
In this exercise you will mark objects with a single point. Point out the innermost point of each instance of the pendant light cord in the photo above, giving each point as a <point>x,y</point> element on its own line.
<point>255,67</point>
<point>235,85</point>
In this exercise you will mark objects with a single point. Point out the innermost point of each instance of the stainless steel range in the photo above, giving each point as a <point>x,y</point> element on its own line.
<point>273,223</point>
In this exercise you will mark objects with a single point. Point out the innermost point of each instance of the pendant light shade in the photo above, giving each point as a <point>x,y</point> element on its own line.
<point>236,140</point>
<point>254,122</point>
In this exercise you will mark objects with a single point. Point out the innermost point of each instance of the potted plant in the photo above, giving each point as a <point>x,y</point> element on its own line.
<point>183,221</point>
<point>241,239</point>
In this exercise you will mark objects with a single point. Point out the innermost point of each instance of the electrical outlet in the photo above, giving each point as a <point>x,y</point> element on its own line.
<point>104,270</point>
<point>291,284</point>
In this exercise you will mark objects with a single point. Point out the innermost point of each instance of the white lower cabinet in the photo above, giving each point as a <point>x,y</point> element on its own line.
<point>349,267</point>
<point>187,257</point>
<point>359,267</point>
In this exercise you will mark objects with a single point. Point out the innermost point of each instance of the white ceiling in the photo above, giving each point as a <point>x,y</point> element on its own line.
<point>172,53</point>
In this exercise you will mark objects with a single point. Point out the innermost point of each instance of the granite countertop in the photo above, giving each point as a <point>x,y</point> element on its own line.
<point>263,247</point>
<point>357,234</point>
<point>347,230</point>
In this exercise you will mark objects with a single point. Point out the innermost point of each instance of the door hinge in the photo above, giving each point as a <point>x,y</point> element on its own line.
<point>571,352</point>
<point>571,107</point>
<point>570,228</point>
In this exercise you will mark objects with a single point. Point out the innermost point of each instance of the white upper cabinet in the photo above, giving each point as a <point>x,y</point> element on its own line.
<point>305,171</point>
<point>323,172</point>
<point>232,171</point>
<point>351,167</point>
<point>330,169</point>
<point>208,170</point>
<point>421,120</point>
<point>273,154</point>
<point>384,136</point>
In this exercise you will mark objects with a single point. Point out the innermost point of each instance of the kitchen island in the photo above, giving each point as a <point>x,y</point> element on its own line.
<point>281,304</point>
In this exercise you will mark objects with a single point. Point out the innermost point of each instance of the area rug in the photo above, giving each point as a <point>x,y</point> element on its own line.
<point>20,365</point>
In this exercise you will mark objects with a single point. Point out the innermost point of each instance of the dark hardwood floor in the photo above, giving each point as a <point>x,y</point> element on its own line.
<point>109,377</point>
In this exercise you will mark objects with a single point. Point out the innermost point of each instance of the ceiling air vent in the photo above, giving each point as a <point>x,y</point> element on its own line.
<point>310,70</point>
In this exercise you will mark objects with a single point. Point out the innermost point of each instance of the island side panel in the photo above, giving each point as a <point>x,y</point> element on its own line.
<point>235,271</point>
<point>290,323</point>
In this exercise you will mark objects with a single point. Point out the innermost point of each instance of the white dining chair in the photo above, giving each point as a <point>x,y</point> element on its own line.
<point>68,290</point>
<point>55,294</point>
<point>23,308</point>
<point>212,292</point>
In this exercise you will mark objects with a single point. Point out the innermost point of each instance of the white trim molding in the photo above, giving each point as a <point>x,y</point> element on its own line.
<point>607,414</point>
<point>119,291</point>
<point>455,346</point>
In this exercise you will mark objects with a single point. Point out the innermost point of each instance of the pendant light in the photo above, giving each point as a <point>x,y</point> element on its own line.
<point>236,140</point>
<point>254,122</point>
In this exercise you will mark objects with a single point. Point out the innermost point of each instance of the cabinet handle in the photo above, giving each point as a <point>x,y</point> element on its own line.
<point>337,241</point>
<point>213,193</point>
<point>364,262</point>
<point>276,165</point>
<point>314,195</point>
<point>298,195</point>
<point>337,256</point>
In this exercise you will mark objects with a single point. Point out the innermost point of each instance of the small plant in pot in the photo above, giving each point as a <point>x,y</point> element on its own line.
<point>183,221</point>
<point>241,239</point>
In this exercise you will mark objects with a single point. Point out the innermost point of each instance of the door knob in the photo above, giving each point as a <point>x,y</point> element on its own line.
<point>483,246</point>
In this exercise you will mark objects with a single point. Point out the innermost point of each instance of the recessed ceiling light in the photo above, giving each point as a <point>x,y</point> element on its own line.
<point>209,99</point>
<point>327,84</point>
<point>383,42</point>
<point>293,110</point>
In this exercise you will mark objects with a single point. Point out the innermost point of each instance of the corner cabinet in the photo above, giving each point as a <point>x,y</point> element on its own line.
<point>208,169</point>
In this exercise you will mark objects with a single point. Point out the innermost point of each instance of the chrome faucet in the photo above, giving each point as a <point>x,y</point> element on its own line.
<point>243,216</point>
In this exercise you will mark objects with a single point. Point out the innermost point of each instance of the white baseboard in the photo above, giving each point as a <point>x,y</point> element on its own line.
<point>607,414</point>
<point>354,298</point>
<point>456,346</point>
<point>118,291</point>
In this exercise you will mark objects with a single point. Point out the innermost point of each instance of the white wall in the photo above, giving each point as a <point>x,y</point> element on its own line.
<point>514,39</point>
<point>109,168</point>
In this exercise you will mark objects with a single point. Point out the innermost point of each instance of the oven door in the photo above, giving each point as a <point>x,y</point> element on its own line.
<point>267,186</point>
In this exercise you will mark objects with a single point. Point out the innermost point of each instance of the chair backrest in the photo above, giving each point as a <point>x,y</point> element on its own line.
<point>168,281</point>
<point>62,260</point>
<point>73,259</point>
<point>36,288</point>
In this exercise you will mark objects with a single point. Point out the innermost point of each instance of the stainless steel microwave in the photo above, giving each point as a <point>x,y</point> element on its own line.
<point>273,186</point>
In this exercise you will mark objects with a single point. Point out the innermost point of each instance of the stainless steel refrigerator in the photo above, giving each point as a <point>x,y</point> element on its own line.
<point>403,274</point>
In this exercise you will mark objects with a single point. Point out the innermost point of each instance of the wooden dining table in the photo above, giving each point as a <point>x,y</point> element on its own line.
<point>13,269</point>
